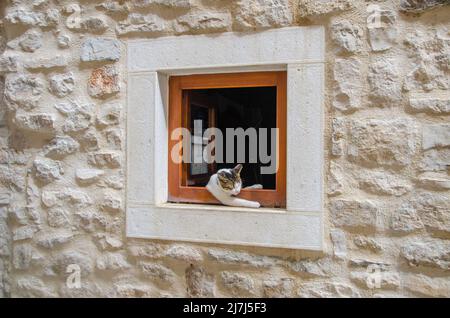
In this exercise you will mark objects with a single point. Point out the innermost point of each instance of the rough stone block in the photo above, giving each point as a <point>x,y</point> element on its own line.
<point>47,170</point>
<point>348,85</point>
<point>199,282</point>
<point>104,82</point>
<point>384,82</point>
<point>347,36</point>
<point>204,22</point>
<point>436,136</point>
<point>429,253</point>
<point>23,91</point>
<point>251,14</point>
<point>353,214</point>
<point>100,49</point>
<point>382,142</point>
<point>62,85</point>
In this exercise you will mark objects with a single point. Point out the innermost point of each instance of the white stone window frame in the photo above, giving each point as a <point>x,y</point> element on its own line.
<point>299,51</point>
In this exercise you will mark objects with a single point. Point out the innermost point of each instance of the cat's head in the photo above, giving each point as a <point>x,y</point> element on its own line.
<point>230,180</point>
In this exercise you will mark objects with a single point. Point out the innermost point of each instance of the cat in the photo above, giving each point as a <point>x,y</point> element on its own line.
<point>226,184</point>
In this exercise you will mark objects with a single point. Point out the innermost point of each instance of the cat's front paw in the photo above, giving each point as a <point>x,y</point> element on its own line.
<point>256,205</point>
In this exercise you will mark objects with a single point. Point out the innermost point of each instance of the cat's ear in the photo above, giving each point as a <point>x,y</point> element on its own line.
<point>238,169</point>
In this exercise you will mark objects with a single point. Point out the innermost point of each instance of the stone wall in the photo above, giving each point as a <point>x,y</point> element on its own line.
<point>387,219</point>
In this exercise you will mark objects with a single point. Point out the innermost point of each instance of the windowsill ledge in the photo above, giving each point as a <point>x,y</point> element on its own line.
<point>225,225</point>
<point>224,208</point>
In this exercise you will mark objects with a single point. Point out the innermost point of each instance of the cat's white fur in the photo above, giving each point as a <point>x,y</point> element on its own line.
<point>227,197</point>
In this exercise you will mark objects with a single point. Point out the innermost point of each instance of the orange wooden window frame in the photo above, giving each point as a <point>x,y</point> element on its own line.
<point>267,197</point>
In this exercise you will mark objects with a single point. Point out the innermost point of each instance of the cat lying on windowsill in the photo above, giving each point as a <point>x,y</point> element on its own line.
<point>226,184</point>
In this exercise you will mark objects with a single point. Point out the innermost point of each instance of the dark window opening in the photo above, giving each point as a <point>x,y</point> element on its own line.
<point>244,107</point>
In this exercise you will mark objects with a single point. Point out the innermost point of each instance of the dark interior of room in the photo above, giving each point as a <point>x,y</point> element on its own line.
<point>245,108</point>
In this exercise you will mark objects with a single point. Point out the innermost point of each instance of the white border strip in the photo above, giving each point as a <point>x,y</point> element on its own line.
<point>276,46</point>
